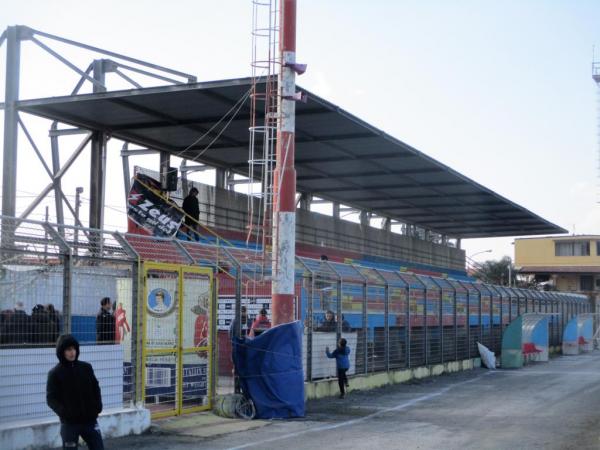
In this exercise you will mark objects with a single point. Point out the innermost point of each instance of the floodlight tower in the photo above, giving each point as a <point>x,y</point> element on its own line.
<point>284,177</point>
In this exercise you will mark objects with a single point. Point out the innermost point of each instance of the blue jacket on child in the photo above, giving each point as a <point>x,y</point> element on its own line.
<point>341,357</point>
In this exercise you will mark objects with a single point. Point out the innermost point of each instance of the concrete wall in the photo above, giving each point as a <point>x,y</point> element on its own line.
<point>567,282</point>
<point>329,387</point>
<point>227,210</point>
<point>46,433</point>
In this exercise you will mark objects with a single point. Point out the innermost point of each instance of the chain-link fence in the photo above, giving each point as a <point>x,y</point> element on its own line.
<point>394,320</point>
<point>53,280</point>
<point>56,280</point>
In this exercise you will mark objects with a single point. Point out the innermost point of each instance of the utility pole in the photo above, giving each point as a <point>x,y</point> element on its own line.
<point>284,176</point>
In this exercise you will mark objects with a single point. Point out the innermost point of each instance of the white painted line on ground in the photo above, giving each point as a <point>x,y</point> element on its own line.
<point>362,419</point>
<point>550,372</point>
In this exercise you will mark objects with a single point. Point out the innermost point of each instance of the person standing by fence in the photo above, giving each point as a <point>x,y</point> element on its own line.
<point>260,324</point>
<point>342,363</point>
<point>105,323</point>
<point>73,393</point>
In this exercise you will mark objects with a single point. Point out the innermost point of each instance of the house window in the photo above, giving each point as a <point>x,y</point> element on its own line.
<point>597,248</point>
<point>572,248</point>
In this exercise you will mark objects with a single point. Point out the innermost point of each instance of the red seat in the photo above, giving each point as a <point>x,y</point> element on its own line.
<point>529,348</point>
<point>582,341</point>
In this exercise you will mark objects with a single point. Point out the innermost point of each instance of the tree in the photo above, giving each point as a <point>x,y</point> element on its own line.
<point>495,272</point>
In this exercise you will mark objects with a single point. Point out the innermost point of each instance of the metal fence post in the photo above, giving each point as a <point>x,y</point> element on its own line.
<point>338,311</point>
<point>386,327</point>
<point>137,338</point>
<point>365,319</point>
<point>214,334</point>
<point>67,253</point>
<point>441,325</point>
<point>425,326</point>
<point>67,292</point>
<point>480,317</point>
<point>468,324</point>
<point>408,327</point>
<point>309,337</point>
<point>455,322</point>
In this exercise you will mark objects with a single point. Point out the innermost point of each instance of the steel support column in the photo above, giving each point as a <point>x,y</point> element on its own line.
<point>184,181</point>
<point>97,160</point>
<point>126,173</point>
<point>165,163</point>
<point>220,176</point>
<point>335,210</point>
<point>60,217</point>
<point>11,96</point>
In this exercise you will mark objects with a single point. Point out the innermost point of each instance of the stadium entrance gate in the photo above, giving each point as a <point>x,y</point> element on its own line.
<point>178,338</point>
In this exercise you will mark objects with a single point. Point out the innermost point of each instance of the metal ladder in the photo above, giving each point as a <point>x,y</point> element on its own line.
<point>263,123</point>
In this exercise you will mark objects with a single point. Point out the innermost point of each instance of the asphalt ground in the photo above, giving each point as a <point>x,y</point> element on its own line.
<point>554,405</point>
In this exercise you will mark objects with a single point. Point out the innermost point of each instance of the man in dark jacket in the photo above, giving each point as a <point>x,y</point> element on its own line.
<point>73,393</point>
<point>191,208</point>
<point>105,323</point>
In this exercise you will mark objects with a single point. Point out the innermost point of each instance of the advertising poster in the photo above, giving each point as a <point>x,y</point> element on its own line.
<point>150,211</point>
<point>163,308</point>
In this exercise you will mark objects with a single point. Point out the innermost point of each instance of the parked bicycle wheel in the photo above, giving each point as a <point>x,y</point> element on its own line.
<point>245,409</point>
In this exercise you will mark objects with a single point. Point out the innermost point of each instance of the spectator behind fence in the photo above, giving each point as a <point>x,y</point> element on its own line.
<point>41,332</point>
<point>243,326</point>
<point>54,322</point>
<point>260,324</point>
<point>4,318</point>
<point>73,393</point>
<point>105,323</point>
<point>17,327</point>
<point>328,324</point>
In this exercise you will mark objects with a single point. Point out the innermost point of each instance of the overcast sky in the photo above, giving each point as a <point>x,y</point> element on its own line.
<point>499,91</point>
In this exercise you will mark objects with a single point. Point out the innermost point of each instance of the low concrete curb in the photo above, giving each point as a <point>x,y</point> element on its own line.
<point>46,432</point>
<point>329,387</point>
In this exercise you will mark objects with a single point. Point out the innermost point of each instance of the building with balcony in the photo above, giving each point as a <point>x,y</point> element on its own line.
<point>569,263</point>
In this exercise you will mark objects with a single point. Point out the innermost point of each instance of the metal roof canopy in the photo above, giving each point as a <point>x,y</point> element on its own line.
<point>338,156</point>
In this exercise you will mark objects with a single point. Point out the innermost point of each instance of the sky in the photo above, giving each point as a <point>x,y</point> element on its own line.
<point>499,91</point>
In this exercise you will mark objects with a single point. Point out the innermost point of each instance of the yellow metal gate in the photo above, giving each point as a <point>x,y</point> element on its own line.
<point>177,338</point>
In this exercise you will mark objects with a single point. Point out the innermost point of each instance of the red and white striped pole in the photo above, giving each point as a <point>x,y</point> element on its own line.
<point>284,176</point>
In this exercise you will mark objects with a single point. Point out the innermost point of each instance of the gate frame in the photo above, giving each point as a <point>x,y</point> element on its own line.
<point>179,350</point>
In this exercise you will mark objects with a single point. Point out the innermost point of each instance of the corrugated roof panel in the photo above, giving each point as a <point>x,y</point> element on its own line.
<point>339,157</point>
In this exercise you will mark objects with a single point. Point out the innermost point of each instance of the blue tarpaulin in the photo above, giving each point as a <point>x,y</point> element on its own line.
<point>269,368</point>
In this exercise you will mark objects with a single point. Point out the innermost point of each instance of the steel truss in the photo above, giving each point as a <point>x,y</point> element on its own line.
<point>124,67</point>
